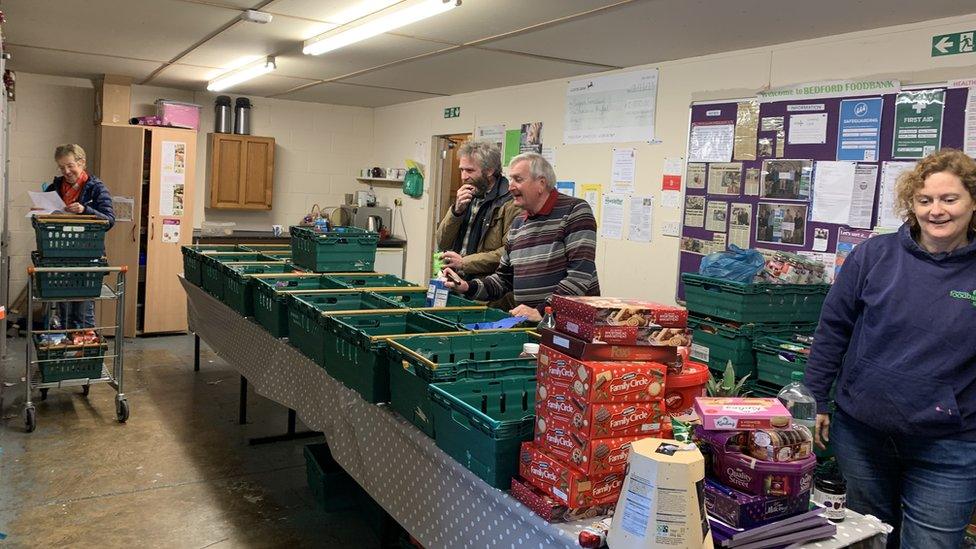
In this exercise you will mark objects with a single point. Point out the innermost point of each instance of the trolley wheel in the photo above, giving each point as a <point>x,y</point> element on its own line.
<point>85,389</point>
<point>30,419</point>
<point>44,394</point>
<point>122,410</point>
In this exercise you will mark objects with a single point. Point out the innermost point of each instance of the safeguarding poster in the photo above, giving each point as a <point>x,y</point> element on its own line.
<point>918,123</point>
<point>859,130</point>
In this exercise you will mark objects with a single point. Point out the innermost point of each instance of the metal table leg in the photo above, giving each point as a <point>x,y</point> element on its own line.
<point>289,435</point>
<point>196,353</point>
<point>242,411</point>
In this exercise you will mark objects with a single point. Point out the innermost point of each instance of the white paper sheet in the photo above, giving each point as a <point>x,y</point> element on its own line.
<point>740,222</point>
<point>862,199</point>
<point>549,153</point>
<point>716,216</point>
<point>612,225</point>
<point>494,133</point>
<point>641,217</point>
<point>624,166</point>
<point>806,129</point>
<point>969,141</point>
<point>888,217</point>
<point>45,203</point>
<point>671,199</point>
<point>616,108</point>
<point>711,142</point>
<point>833,186</point>
<point>671,228</point>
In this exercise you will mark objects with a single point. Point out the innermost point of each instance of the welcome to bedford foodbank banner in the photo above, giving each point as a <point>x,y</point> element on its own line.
<point>832,88</point>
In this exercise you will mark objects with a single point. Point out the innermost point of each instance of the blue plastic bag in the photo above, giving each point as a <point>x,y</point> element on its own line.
<point>735,264</point>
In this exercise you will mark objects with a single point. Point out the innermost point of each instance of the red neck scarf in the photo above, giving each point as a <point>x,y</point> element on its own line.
<point>71,193</point>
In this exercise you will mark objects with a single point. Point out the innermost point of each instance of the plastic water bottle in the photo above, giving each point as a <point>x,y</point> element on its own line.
<point>800,402</point>
<point>548,321</point>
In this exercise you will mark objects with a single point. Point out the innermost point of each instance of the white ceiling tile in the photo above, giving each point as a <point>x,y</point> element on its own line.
<point>347,94</point>
<point>75,64</point>
<point>249,41</point>
<point>468,70</point>
<point>364,55</point>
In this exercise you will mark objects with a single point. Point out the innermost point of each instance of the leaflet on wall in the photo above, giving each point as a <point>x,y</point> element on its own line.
<point>711,142</point>
<point>671,182</point>
<point>786,179</point>
<point>821,236</point>
<point>549,153</point>
<point>918,123</point>
<point>862,200</point>
<point>592,193</point>
<point>172,178</point>
<point>123,206</point>
<point>969,139</point>
<point>530,138</point>
<point>859,129</point>
<point>772,123</point>
<point>641,217</point>
<point>725,178</point>
<point>694,211</point>
<point>695,175</point>
<point>494,133</point>
<point>171,231</point>
<point>746,128</point>
<point>752,182</point>
<point>716,215</point>
<point>566,187</point>
<point>612,225</point>
<point>617,108</point>
<point>623,170</point>
<point>740,221</point>
<point>718,243</point>
<point>847,240</point>
<point>833,188</point>
<point>888,217</point>
<point>808,129</point>
<point>781,223</point>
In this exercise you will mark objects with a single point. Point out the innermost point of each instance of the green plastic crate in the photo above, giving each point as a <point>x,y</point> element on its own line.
<point>212,279</point>
<point>417,299</point>
<point>270,297</point>
<point>760,302</point>
<point>482,423</point>
<point>239,282</point>
<point>193,259</point>
<point>416,362</point>
<point>355,350</point>
<point>68,284</point>
<point>307,326</point>
<point>332,488</point>
<point>464,317</point>
<point>278,255</point>
<point>271,248</point>
<point>370,280</point>
<point>716,342</point>
<point>342,249</point>
<point>77,236</point>
<point>70,361</point>
<point>777,358</point>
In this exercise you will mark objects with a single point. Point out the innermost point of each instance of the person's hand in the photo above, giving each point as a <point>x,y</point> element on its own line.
<point>530,313</point>
<point>464,196</point>
<point>821,435</point>
<point>75,208</point>
<point>453,260</point>
<point>455,282</point>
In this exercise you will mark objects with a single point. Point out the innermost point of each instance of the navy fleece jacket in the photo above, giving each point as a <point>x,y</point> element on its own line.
<point>94,197</point>
<point>898,334</point>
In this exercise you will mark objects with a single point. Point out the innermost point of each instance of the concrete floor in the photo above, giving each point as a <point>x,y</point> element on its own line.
<point>180,473</point>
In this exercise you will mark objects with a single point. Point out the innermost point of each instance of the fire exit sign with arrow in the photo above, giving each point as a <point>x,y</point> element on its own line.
<point>953,44</point>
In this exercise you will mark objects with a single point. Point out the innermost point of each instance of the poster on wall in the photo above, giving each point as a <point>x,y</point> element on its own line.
<point>725,178</point>
<point>617,108</point>
<point>808,129</point>
<point>711,142</point>
<point>786,179</point>
<point>694,211</point>
<point>624,165</point>
<point>862,202</point>
<point>746,129</point>
<point>592,193</point>
<point>512,140</point>
<point>171,231</point>
<point>833,184</point>
<point>494,133</point>
<point>566,187</point>
<point>716,215</point>
<point>612,223</point>
<point>530,138</point>
<point>859,129</point>
<point>172,178</point>
<point>888,217</point>
<point>740,220</point>
<point>847,240</point>
<point>641,218</point>
<point>696,175</point>
<point>752,182</point>
<point>918,123</point>
<point>781,223</point>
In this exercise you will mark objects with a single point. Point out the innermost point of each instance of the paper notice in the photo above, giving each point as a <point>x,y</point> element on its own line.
<point>566,187</point>
<point>746,128</point>
<point>624,165</point>
<point>592,193</point>
<point>549,153</point>
<point>716,216</point>
<point>847,240</point>
<point>695,176</point>
<point>171,231</point>
<point>740,221</point>
<point>821,236</point>
<point>808,129</point>
<point>711,142</point>
<point>887,212</point>
<point>772,124</point>
<point>641,214</point>
<point>123,206</point>
<point>612,225</point>
<point>718,243</point>
<point>694,211</point>
<point>862,199</point>
<point>494,133</point>
<point>725,178</point>
<point>752,182</point>
<point>969,141</point>
<point>671,199</point>
<point>833,186</point>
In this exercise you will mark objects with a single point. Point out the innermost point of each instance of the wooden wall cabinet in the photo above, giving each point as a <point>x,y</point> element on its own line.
<point>150,173</point>
<point>241,171</point>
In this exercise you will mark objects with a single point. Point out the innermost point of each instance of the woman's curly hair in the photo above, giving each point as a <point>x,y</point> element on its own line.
<point>945,160</point>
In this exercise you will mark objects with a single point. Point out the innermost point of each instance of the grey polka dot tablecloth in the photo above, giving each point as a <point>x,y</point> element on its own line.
<point>433,497</point>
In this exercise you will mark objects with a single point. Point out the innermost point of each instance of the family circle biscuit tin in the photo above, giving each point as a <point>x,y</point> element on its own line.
<point>621,321</point>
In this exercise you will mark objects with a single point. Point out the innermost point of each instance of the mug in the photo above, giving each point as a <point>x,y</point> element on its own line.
<point>276,230</point>
<point>391,173</point>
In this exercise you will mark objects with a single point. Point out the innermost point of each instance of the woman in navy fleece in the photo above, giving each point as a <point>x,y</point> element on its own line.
<point>897,336</point>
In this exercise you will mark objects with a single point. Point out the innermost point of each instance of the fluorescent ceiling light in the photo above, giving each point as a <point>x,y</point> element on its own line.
<point>378,23</point>
<point>243,74</point>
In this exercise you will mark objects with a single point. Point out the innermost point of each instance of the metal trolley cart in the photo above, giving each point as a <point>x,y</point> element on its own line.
<point>34,366</point>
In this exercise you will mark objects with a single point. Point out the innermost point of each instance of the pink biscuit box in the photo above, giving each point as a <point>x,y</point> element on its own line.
<point>753,476</point>
<point>741,414</point>
<point>177,114</point>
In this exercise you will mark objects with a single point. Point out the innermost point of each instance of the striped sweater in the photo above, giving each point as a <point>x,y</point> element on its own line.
<point>551,252</point>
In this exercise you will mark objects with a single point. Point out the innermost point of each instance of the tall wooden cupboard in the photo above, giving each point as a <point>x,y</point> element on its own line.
<point>150,172</point>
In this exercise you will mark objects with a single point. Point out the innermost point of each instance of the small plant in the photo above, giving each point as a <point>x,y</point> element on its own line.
<point>727,387</point>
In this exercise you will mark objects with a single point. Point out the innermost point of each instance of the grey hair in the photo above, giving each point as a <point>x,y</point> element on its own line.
<point>539,167</point>
<point>486,153</point>
<point>73,149</point>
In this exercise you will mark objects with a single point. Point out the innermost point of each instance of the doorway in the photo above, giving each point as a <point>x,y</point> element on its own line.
<point>447,178</point>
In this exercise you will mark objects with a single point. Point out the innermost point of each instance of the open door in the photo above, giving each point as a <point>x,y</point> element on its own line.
<point>447,179</point>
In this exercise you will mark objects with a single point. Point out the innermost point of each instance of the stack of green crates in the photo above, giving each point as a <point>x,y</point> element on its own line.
<point>778,357</point>
<point>211,278</point>
<point>238,282</point>
<point>193,259</point>
<point>342,249</point>
<point>69,241</point>
<point>416,298</point>
<point>418,361</point>
<point>482,422</point>
<point>463,317</point>
<point>264,248</point>
<point>727,316</point>
<point>356,346</point>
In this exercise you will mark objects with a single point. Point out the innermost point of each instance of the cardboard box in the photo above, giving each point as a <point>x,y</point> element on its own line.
<point>593,421</point>
<point>621,321</point>
<point>592,382</point>
<point>662,503</point>
<point>112,97</point>
<point>742,414</point>
<point>565,484</point>
<point>587,350</point>
<point>602,455</point>
<point>548,508</point>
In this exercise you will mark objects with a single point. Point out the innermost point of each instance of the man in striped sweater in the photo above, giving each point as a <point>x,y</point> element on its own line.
<point>551,247</point>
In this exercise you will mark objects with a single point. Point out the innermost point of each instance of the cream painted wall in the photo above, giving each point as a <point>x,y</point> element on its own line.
<point>649,270</point>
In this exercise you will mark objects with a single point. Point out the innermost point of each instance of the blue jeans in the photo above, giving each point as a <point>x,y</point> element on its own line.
<point>925,488</point>
<point>77,314</point>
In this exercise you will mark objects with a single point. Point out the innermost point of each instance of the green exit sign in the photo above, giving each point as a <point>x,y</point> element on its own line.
<point>953,44</point>
<point>452,112</point>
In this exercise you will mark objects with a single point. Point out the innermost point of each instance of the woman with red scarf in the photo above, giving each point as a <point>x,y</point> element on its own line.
<point>82,193</point>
